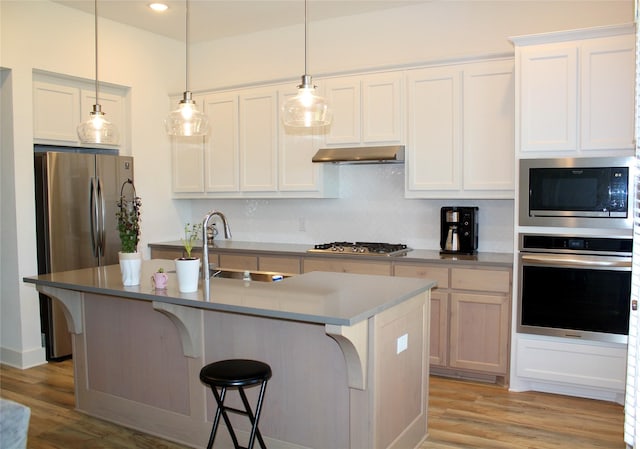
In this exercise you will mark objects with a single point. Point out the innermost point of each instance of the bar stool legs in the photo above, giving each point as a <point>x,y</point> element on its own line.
<point>236,373</point>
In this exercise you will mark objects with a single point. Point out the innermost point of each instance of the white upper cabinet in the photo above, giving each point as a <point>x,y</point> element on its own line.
<point>460,131</point>
<point>56,112</point>
<point>608,79</point>
<point>488,137</point>
<point>258,140</point>
<point>434,130</point>
<point>575,92</point>
<point>367,109</point>
<point>59,105</point>
<point>248,153</point>
<point>222,155</point>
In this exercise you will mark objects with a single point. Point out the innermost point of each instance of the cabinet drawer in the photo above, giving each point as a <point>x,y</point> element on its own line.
<point>484,280</point>
<point>165,253</point>
<point>238,262</point>
<point>347,266</point>
<point>439,274</point>
<point>281,264</point>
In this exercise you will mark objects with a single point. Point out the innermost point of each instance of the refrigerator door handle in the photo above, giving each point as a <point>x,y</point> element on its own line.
<point>93,216</point>
<point>101,223</point>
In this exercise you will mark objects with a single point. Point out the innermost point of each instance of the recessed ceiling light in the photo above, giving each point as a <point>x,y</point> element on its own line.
<point>159,7</point>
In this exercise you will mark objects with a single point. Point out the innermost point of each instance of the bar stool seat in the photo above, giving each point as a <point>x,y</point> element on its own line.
<point>236,373</point>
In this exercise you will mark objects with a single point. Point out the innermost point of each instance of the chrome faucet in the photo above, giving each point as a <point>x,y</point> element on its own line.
<point>206,269</point>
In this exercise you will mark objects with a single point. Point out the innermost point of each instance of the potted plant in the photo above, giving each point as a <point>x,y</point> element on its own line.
<point>128,218</point>
<point>188,267</point>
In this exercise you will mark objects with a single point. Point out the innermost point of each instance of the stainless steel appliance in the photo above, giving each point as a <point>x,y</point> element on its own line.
<point>576,192</point>
<point>577,287</point>
<point>459,230</point>
<point>76,195</point>
<point>361,248</point>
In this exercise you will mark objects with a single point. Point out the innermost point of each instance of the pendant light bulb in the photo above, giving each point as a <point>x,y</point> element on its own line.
<point>187,120</point>
<point>97,129</point>
<point>307,109</point>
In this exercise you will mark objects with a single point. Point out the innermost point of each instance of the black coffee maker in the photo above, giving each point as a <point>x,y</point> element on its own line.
<point>458,230</point>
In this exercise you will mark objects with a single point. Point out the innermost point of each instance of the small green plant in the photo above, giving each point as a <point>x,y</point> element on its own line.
<point>160,270</point>
<point>191,233</point>
<point>128,216</point>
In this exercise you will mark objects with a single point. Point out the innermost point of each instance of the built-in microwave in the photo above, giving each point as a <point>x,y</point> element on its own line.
<point>577,192</point>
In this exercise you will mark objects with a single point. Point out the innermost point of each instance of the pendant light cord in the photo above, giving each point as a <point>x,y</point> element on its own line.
<point>305,37</point>
<point>95,10</point>
<point>186,40</point>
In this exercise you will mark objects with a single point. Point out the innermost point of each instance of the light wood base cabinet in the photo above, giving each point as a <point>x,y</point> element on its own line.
<point>470,319</point>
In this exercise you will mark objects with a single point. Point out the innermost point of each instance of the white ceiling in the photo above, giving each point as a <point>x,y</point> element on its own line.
<point>214,19</point>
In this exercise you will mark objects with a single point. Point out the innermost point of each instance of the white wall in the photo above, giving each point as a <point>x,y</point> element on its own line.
<point>371,205</point>
<point>46,36</point>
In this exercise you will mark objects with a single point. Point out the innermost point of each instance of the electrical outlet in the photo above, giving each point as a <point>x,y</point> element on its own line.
<point>402,343</point>
<point>302,224</point>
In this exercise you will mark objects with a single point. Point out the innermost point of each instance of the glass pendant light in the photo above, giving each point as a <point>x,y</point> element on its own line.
<point>187,120</point>
<point>97,129</point>
<point>307,109</point>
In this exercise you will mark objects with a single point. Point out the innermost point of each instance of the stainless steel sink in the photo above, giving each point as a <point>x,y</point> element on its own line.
<point>246,275</point>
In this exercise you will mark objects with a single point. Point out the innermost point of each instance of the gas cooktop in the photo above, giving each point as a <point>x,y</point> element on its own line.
<point>363,248</point>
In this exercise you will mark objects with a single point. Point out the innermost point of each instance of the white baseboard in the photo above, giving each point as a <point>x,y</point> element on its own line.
<point>23,360</point>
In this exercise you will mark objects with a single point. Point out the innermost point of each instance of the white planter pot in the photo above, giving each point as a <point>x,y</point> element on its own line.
<point>130,267</point>
<point>188,273</point>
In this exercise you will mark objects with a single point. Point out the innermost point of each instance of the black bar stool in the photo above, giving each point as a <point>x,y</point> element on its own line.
<point>236,373</point>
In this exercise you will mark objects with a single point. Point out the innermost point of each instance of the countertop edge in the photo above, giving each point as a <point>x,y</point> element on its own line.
<point>300,250</point>
<point>194,300</point>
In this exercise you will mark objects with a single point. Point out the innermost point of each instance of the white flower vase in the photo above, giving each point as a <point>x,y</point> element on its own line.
<point>188,273</point>
<point>130,267</point>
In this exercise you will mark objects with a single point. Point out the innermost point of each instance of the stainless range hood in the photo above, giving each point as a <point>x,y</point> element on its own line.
<point>361,155</point>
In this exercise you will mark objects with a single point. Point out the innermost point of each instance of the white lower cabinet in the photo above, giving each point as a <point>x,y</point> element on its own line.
<point>460,130</point>
<point>563,366</point>
<point>248,153</point>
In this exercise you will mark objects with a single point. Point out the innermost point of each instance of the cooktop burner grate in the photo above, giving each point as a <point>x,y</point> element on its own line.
<point>364,248</point>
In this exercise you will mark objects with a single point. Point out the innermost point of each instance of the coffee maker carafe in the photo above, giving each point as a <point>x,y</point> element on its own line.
<point>458,230</point>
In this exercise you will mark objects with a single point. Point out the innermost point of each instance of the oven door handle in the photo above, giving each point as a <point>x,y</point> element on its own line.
<point>577,261</point>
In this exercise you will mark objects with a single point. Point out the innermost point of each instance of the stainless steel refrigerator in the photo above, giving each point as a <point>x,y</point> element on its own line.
<point>77,191</point>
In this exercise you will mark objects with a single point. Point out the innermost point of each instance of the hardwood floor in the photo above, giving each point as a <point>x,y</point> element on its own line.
<point>462,415</point>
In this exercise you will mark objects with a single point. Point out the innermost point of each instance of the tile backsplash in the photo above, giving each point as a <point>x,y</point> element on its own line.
<point>371,208</point>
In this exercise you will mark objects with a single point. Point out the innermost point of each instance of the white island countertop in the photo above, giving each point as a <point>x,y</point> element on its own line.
<point>317,297</point>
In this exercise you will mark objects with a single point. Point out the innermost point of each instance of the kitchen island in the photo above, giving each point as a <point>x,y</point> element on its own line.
<point>349,354</point>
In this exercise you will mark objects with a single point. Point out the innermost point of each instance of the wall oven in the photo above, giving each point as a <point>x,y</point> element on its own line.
<point>576,192</point>
<point>577,287</point>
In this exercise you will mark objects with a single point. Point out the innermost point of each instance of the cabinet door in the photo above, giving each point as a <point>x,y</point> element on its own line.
<point>238,262</point>
<point>382,108</point>
<point>258,140</point>
<point>488,149</point>
<point>337,265</point>
<point>607,86</point>
<point>188,164</point>
<point>434,129</point>
<point>548,98</point>
<point>280,264</point>
<point>56,112</point>
<point>479,338</point>
<point>439,330</point>
<point>297,146</point>
<point>343,96</point>
<point>222,167</point>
